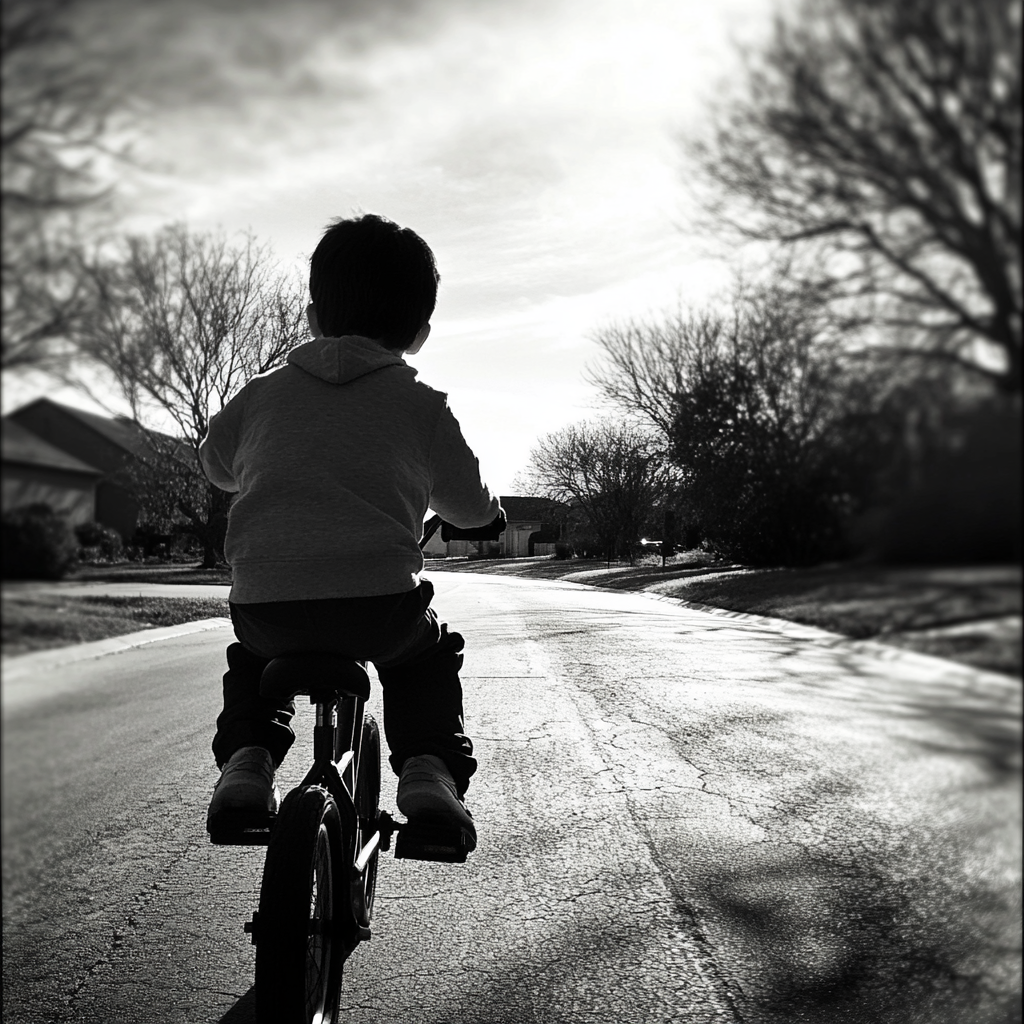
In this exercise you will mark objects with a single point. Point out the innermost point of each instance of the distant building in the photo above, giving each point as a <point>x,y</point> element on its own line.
<point>533,529</point>
<point>35,471</point>
<point>533,526</point>
<point>98,445</point>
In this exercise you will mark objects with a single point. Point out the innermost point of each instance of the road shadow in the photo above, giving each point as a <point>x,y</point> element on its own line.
<point>863,962</point>
<point>244,1011</point>
<point>773,934</point>
<point>834,943</point>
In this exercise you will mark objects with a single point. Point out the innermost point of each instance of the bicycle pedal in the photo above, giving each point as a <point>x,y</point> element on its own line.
<point>417,841</point>
<point>241,830</point>
<point>241,837</point>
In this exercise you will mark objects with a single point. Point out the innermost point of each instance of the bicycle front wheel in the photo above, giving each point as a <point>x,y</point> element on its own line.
<point>299,946</point>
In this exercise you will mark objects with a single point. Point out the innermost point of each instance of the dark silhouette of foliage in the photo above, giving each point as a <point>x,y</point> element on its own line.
<point>778,433</point>
<point>103,540</point>
<point>38,543</point>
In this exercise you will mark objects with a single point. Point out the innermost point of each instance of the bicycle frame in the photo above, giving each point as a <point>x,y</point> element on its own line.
<point>337,751</point>
<point>337,738</point>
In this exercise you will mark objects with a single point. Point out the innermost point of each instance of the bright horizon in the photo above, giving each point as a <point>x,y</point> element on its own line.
<point>533,145</point>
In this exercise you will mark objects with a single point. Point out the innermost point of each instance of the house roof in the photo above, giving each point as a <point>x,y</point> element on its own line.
<point>123,432</point>
<point>20,445</point>
<point>530,509</point>
<point>119,430</point>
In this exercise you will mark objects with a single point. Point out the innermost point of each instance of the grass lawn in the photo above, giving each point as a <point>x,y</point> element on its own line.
<point>860,601</point>
<point>39,621</point>
<point>151,572</point>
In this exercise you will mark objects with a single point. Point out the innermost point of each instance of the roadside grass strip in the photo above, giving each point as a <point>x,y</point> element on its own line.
<point>35,622</point>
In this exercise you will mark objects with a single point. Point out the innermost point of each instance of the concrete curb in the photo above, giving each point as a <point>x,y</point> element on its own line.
<point>796,630</point>
<point>19,666</point>
<point>873,648</point>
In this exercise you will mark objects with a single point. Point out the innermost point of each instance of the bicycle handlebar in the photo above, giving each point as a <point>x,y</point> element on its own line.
<point>492,531</point>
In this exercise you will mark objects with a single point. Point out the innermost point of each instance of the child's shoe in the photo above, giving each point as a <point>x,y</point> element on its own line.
<point>245,796</point>
<point>427,795</point>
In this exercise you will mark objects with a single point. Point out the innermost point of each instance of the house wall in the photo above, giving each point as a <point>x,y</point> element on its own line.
<point>484,548</point>
<point>65,491</point>
<point>435,547</point>
<point>515,541</point>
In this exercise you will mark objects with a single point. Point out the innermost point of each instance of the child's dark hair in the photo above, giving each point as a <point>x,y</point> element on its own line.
<point>369,276</point>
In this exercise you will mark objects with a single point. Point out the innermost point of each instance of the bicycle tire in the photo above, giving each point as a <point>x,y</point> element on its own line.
<point>299,948</point>
<point>367,800</point>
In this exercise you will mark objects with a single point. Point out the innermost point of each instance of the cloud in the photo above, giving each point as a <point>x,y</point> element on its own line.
<point>531,144</point>
<point>226,53</point>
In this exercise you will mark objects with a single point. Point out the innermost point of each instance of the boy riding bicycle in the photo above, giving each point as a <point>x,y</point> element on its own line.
<point>335,458</point>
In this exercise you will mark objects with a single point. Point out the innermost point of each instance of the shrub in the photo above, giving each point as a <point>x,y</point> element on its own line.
<point>563,550</point>
<point>104,539</point>
<point>38,543</point>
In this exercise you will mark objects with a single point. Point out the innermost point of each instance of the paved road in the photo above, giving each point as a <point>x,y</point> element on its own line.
<point>683,816</point>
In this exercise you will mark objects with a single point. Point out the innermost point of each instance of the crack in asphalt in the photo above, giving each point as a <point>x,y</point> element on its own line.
<point>714,979</point>
<point>123,932</point>
<point>691,915</point>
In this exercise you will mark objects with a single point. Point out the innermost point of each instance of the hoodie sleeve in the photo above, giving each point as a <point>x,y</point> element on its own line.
<point>457,493</point>
<point>217,452</point>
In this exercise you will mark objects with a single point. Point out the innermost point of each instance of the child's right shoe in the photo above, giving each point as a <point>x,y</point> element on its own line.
<point>245,796</point>
<point>427,795</point>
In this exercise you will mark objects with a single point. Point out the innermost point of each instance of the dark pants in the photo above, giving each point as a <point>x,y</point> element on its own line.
<point>416,657</point>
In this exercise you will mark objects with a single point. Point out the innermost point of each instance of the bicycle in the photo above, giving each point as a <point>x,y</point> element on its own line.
<point>320,874</point>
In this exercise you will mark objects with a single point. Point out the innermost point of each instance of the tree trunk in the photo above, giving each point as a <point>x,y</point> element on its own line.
<point>217,527</point>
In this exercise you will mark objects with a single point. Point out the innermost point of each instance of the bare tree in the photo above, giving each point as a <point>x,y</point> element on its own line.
<point>881,139</point>
<point>647,364</point>
<point>181,321</point>
<point>58,101</point>
<point>614,473</point>
<point>779,434</point>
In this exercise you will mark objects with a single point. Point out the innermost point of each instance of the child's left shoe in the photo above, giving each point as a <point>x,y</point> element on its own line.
<point>427,795</point>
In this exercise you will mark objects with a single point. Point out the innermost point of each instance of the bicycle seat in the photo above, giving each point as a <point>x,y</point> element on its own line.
<point>291,674</point>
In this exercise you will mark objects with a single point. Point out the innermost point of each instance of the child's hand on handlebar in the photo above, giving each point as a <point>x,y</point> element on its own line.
<point>492,531</point>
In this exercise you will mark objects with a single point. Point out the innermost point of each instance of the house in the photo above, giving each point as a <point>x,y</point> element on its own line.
<point>533,526</point>
<point>533,529</point>
<point>101,444</point>
<point>35,471</point>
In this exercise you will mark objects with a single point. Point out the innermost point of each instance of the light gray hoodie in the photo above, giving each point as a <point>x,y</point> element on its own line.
<point>335,458</point>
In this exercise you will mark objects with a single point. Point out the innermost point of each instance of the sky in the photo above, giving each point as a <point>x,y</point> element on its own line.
<point>534,144</point>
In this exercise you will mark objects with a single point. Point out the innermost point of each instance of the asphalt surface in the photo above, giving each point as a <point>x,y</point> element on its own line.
<point>683,817</point>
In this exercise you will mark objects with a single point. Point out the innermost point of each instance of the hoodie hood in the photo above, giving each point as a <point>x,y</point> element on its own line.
<point>340,360</point>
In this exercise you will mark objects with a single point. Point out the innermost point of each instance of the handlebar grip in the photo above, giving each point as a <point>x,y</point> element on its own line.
<point>492,531</point>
